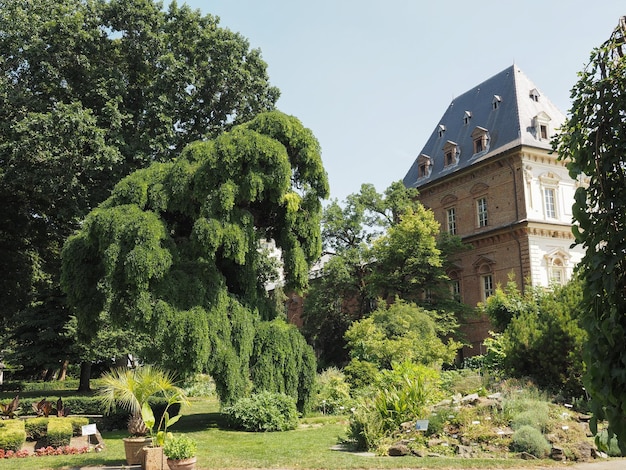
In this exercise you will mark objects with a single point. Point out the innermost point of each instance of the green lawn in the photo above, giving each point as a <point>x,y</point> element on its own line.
<point>308,447</point>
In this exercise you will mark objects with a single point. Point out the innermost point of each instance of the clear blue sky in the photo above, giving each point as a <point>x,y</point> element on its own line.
<point>371,78</point>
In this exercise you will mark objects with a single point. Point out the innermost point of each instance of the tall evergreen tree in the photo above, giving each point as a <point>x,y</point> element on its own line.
<point>174,252</point>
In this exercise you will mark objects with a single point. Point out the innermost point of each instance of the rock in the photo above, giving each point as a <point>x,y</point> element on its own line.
<point>398,450</point>
<point>557,454</point>
<point>583,418</point>
<point>435,442</point>
<point>527,456</point>
<point>419,453</point>
<point>470,399</point>
<point>584,451</point>
<point>465,452</point>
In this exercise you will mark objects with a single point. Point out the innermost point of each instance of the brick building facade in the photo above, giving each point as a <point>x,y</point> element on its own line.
<point>489,175</point>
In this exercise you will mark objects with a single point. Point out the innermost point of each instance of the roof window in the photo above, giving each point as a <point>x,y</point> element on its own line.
<point>480,137</point>
<point>542,126</point>
<point>534,95</point>
<point>466,117</point>
<point>441,130</point>
<point>424,166</point>
<point>451,153</point>
<point>495,103</point>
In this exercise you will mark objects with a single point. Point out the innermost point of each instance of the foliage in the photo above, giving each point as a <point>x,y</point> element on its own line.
<point>174,251</point>
<point>402,394</point>
<point>332,392</point>
<point>379,246</point>
<point>592,142</point>
<point>91,91</point>
<point>59,432</point>
<point>283,362</point>
<point>506,304</point>
<point>401,331</point>
<point>132,390</point>
<point>529,439</point>
<point>179,447</point>
<point>10,410</point>
<point>264,411</point>
<point>544,340</point>
<point>12,434</point>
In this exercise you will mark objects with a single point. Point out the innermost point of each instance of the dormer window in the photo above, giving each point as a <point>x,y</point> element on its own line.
<point>466,117</point>
<point>542,126</point>
<point>451,154</point>
<point>495,103</point>
<point>534,95</point>
<point>480,137</point>
<point>441,130</point>
<point>424,166</point>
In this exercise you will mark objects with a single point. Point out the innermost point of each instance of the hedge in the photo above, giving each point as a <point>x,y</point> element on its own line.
<point>59,432</point>
<point>12,434</point>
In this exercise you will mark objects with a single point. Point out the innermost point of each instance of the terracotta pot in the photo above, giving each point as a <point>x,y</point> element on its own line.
<point>184,464</point>
<point>154,458</point>
<point>133,446</point>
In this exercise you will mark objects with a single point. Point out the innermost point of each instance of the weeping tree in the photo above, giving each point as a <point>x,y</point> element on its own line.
<point>593,140</point>
<point>174,253</point>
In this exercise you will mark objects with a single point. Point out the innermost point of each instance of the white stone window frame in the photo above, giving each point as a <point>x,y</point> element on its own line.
<point>557,261</point>
<point>483,267</point>
<point>549,182</point>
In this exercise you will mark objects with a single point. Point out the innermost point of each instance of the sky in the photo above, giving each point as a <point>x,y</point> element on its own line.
<point>371,78</point>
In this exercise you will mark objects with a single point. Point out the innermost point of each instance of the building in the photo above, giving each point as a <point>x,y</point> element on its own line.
<point>489,175</point>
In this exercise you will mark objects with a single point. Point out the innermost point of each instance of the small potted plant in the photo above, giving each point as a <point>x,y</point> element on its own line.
<point>181,452</point>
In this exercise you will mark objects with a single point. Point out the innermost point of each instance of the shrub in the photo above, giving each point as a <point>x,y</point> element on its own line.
<point>529,439</point>
<point>332,392</point>
<point>611,446</point>
<point>403,394</point>
<point>180,447</point>
<point>365,429</point>
<point>59,432</point>
<point>12,435</point>
<point>200,386</point>
<point>537,417</point>
<point>264,411</point>
<point>36,428</point>
<point>77,424</point>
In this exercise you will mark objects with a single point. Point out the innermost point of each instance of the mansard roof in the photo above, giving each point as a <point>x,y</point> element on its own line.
<point>508,109</point>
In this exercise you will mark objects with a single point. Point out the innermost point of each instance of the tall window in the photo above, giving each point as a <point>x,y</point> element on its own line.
<point>549,197</point>
<point>455,288</point>
<point>557,273</point>
<point>487,286</point>
<point>451,221</point>
<point>481,207</point>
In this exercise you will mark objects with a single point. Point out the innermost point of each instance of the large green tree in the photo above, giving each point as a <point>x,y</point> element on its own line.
<point>593,140</point>
<point>174,253</point>
<point>380,246</point>
<point>91,90</point>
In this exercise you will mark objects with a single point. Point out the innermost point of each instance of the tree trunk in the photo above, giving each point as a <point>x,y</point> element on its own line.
<point>62,375</point>
<point>85,376</point>
<point>49,375</point>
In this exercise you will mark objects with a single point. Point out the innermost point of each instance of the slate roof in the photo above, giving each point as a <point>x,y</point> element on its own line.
<point>509,125</point>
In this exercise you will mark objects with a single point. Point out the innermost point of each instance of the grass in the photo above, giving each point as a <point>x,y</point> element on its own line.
<point>308,447</point>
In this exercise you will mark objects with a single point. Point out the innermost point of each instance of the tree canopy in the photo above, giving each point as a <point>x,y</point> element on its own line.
<point>91,90</point>
<point>592,141</point>
<point>381,246</point>
<point>175,250</point>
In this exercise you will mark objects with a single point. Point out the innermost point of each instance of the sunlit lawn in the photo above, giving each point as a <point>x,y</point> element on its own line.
<point>308,447</point>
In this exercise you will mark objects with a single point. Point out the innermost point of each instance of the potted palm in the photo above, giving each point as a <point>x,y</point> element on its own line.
<point>180,452</point>
<point>131,389</point>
